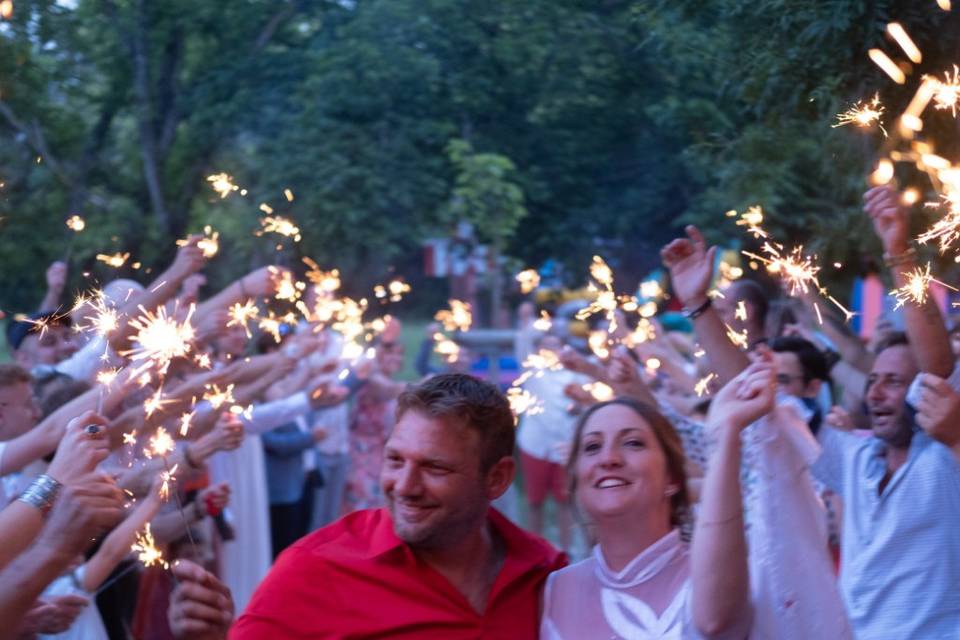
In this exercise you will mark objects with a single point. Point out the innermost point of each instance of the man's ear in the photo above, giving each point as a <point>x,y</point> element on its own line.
<point>499,477</point>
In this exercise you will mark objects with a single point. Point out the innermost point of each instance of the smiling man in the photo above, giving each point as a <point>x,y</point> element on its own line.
<point>438,562</point>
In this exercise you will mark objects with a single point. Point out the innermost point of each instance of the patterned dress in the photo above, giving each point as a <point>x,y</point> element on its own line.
<point>369,429</point>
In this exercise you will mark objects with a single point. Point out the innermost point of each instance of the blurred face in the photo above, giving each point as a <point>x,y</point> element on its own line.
<point>893,371</point>
<point>18,410</point>
<point>57,343</point>
<point>232,341</point>
<point>621,467</point>
<point>433,483</point>
<point>790,376</point>
<point>390,358</point>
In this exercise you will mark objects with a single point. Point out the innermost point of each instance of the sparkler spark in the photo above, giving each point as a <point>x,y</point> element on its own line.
<point>741,311</point>
<point>458,318</point>
<point>899,34</point>
<point>797,270</point>
<point>279,225</point>
<point>523,402</point>
<point>161,338</point>
<point>166,477</point>
<point>76,224</point>
<point>116,260</point>
<point>240,315</point>
<point>543,323</point>
<point>446,347</point>
<point>597,340</point>
<point>209,244</point>
<point>327,282</point>
<point>752,218</point>
<point>185,423</point>
<point>703,385</point>
<point>161,444</point>
<point>739,339</point>
<point>600,391</point>
<point>222,184</point>
<point>154,403</point>
<point>946,92</point>
<point>394,290</point>
<point>862,115</point>
<point>287,288</point>
<point>217,397</point>
<point>146,549</point>
<point>529,280</point>
<point>917,288</point>
<point>107,376</point>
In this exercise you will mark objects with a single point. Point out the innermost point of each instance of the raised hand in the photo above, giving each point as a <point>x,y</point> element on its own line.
<point>891,219</point>
<point>748,397</point>
<point>189,260</point>
<point>83,510</point>
<point>691,266</point>
<point>938,410</point>
<point>83,447</point>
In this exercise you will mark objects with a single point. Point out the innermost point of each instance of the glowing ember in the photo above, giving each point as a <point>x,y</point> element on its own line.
<point>543,323</point>
<point>130,438</point>
<point>529,280</point>
<point>446,347</point>
<point>185,423</point>
<point>395,290</point>
<point>286,287</point>
<point>741,311</point>
<point>598,344</point>
<point>209,244</point>
<point>222,184</point>
<point>146,549</point>
<point>76,223</point>
<point>862,115</point>
<point>107,376</point>
<point>738,338</point>
<point>325,281</point>
<point>651,290</point>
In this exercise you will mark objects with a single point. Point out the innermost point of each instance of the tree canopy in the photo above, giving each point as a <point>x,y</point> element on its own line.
<point>612,123</point>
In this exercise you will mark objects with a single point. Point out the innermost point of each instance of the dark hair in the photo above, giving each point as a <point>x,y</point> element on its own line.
<point>892,339</point>
<point>813,363</point>
<point>13,374</point>
<point>751,292</point>
<point>473,403</point>
<point>666,436</point>
<point>59,392</point>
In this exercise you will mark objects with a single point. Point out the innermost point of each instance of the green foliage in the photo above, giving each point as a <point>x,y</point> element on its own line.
<point>562,128</point>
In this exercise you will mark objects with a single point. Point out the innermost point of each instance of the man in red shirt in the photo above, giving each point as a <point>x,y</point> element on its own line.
<point>438,562</point>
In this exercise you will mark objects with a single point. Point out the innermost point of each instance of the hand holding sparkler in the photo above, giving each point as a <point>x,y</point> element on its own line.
<point>201,607</point>
<point>691,267</point>
<point>891,219</point>
<point>56,282</point>
<point>624,376</point>
<point>83,447</point>
<point>190,288</point>
<point>189,260</point>
<point>746,398</point>
<point>83,510</point>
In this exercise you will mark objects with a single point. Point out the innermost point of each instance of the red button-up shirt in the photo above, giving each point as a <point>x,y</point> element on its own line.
<point>357,579</point>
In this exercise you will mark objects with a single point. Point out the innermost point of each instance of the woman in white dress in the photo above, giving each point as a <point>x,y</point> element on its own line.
<point>643,579</point>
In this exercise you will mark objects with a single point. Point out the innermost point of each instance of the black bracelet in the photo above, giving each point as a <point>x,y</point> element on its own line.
<point>693,314</point>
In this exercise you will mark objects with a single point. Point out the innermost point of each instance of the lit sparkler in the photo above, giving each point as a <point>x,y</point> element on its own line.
<point>600,391</point>
<point>222,184</point>
<point>240,315</point>
<point>946,93</point>
<point>458,318</point>
<point>917,288</point>
<point>446,347</point>
<point>76,224</point>
<point>523,402</point>
<point>185,422</point>
<point>161,444</point>
<point>146,549</point>
<point>703,385</point>
<point>115,260</point>
<point>166,477</point>
<point>279,225</point>
<point>738,338</point>
<point>394,290</point>
<point>543,323</point>
<point>161,338</point>
<point>862,115</point>
<point>209,244</point>
<point>217,397</point>
<point>286,287</point>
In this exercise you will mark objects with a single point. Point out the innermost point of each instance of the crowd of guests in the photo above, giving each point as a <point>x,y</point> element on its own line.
<point>803,485</point>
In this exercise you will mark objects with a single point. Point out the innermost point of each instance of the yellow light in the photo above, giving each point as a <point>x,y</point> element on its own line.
<point>76,223</point>
<point>887,65</point>
<point>883,173</point>
<point>899,34</point>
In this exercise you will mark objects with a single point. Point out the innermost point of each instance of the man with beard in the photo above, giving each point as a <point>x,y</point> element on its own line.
<point>438,562</point>
<point>900,562</point>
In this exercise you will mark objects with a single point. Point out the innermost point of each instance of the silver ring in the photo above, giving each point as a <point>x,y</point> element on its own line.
<point>93,430</point>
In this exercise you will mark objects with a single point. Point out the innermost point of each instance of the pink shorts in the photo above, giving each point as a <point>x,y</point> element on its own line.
<point>542,477</point>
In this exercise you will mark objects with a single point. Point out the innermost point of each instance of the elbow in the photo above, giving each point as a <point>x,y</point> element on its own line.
<point>715,625</point>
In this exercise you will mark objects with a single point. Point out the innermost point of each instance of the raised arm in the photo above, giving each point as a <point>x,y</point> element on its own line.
<point>56,281</point>
<point>691,270</point>
<point>924,324</point>
<point>721,581</point>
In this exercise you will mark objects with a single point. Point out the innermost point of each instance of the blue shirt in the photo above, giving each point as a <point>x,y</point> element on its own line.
<point>900,553</point>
